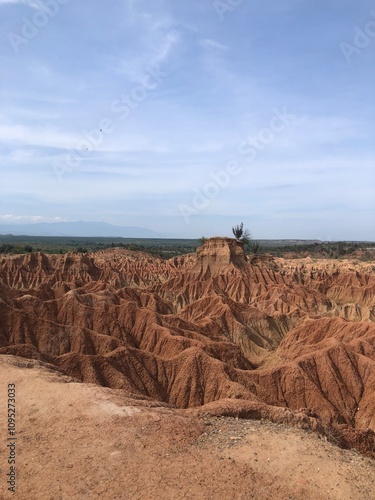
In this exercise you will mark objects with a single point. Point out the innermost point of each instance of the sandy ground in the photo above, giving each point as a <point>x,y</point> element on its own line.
<point>80,441</point>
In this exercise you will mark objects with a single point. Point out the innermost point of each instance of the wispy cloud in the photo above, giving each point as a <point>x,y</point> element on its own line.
<point>220,82</point>
<point>160,39</point>
<point>31,136</point>
<point>47,137</point>
<point>25,219</point>
<point>209,43</point>
<point>31,3</point>
<point>133,66</point>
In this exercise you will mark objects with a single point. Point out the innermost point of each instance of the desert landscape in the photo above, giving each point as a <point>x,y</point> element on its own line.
<point>209,375</point>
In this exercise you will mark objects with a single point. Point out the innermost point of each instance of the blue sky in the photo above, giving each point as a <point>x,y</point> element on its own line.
<point>190,117</point>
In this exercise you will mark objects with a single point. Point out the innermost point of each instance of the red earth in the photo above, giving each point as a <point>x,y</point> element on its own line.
<point>211,333</point>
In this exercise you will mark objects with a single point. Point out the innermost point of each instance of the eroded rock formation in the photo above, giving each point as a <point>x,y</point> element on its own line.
<point>204,328</point>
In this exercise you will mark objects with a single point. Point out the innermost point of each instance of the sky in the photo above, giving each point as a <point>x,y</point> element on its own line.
<point>188,117</point>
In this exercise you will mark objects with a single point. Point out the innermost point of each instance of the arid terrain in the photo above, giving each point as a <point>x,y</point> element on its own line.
<point>221,376</point>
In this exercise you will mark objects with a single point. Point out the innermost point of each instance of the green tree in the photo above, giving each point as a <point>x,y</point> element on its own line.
<point>238,231</point>
<point>7,248</point>
<point>254,247</point>
<point>242,234</point>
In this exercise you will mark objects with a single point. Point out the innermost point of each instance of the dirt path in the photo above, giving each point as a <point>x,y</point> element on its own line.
<point>79,441</point>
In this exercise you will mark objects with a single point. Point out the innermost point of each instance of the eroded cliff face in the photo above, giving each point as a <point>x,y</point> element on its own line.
<point>203,328</point>
<point>217,254</point>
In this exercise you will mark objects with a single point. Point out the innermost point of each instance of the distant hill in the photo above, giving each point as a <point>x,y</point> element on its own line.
<point>79,228</point>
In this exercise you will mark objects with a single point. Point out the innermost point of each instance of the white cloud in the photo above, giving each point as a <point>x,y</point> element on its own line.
<point>155,46</point>
<point>23,136</point>
<point>158,50</point>
<point>31,136</point>
<point>31,3</point>
<point>26,219</point>
<point>219,83</point>
<point>318,130</point>
<point>209,43</point>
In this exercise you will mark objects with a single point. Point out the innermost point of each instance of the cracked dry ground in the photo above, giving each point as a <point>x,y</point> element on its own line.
<point>194,355</point>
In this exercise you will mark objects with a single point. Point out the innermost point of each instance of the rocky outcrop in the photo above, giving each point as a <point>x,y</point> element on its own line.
<point>204,328</point>
<point>217,254</point>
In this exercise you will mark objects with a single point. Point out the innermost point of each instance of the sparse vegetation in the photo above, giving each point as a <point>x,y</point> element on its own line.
<point>7,248</point>
<point>81,249</point>
<point>242,234</point>
<point>238,231</point>
<point>162,248</point>
<point>363,251</point>
<point>254,247</point>
<point>167,248</point>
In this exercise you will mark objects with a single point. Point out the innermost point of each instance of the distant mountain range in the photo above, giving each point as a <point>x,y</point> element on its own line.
<point>80,228</point>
